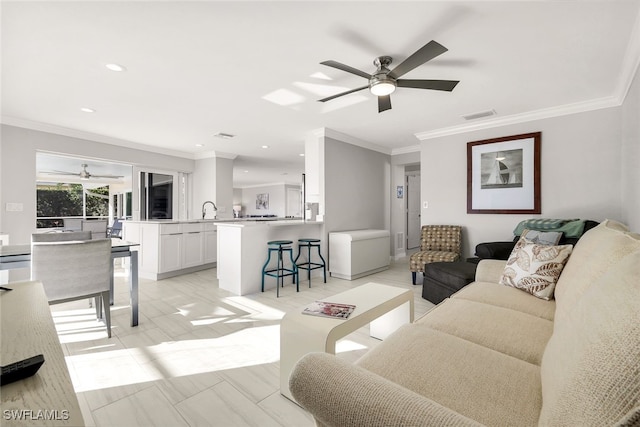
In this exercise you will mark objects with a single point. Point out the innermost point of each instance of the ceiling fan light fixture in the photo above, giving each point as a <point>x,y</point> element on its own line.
<point>382,87</point>
<point>116,67</point>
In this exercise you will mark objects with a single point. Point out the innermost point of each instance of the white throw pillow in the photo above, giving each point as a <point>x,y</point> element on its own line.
<point>535,268</point>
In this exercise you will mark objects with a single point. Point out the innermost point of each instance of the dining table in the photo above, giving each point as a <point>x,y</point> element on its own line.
<point>19,256</point>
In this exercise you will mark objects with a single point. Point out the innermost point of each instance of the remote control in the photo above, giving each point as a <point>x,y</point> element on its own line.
<point>22,369</point>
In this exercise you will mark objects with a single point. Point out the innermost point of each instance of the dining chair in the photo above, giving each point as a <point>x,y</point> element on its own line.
<point>60,237</point>
<point>72,224</point>
<point>74,270</point>
<point>97,227</point>
<point>116,229</point>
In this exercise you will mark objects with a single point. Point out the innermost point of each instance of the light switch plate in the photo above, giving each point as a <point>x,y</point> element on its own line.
<point>425,205</point>
<point>14,207</point>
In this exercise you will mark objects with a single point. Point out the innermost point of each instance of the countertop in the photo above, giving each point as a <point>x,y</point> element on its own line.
<point>271,223</point>
<point>223,221</point>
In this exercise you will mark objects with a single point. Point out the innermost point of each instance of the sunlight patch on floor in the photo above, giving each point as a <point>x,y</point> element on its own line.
<point>247,347</point>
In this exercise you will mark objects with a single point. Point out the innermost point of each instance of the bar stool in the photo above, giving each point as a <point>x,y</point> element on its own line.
<point>309,265</point>
<point>280,272</point>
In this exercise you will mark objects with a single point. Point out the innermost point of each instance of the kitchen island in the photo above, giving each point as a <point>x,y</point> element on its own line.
<point>172,247</point>
<point>242,250</point>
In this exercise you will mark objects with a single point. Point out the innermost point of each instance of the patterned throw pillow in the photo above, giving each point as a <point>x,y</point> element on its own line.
<point>535,268</point>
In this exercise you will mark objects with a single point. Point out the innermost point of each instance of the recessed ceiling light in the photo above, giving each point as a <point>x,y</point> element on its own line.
<point>115,67</point>
<point>265,146</point>
<point>87,110</point>
<point>199,145</point>
<point>246,171</point>
<point>301,154</point>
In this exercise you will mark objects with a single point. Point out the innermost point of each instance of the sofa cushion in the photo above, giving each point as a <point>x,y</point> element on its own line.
<point>590,370</point>
<point>501,329</point>
<point>477,382</point>
<point>507,297</point>
<point>535,268</point>
<point>593,255</point>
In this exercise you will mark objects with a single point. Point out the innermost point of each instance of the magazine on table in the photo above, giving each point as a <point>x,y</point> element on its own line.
<point>329,309</point>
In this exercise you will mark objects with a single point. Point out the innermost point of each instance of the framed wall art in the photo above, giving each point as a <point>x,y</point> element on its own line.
<point>262,201</point>
<point>503,175</point>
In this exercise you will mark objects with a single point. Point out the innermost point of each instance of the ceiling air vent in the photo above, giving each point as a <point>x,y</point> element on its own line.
<point>479,115</point>
<point>224,135</point>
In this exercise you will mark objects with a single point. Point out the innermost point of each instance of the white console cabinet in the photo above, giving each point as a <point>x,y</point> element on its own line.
<point>171,249</point>
<point>358,253</point>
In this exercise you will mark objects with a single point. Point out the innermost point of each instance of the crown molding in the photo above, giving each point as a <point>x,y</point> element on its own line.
<point>74,133</point>
<point>545,113</point>
<point>405,150</point>
<point>214,154</point>
<point>334,134</point>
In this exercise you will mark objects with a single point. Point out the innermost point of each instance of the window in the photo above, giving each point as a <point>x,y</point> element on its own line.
<point>57,202</point>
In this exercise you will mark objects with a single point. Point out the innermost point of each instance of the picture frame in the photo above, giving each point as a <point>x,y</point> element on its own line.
<point>503,175</point>
<point>262,201</point>
<point>400,191</point>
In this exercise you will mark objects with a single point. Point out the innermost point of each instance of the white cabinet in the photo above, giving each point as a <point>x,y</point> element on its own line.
<point>210,246</point>
<point>170,252</point>
<point>171,249</point>
<point>192,249</point>
<point>354,254</point>
<point>210,243</point>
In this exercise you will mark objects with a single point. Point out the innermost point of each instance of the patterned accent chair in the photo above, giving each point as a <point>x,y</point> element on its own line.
<point>438,243</point>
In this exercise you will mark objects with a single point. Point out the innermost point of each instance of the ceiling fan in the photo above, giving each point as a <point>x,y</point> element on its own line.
<point>383,82</point>
<point>83,174</point>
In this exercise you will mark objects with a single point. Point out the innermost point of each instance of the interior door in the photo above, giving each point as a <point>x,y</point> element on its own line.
<point>413,211</point>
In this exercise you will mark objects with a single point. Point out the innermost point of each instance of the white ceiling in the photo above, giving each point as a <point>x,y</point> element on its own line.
<point>198,68</point>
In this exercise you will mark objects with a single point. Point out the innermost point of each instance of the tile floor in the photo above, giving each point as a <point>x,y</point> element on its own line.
<point>200,356</point>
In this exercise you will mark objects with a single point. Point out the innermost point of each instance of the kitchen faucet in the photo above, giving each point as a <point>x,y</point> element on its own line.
<point>215,209</point>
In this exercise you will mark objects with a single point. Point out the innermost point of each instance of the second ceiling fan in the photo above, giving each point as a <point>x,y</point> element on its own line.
<point>384,81</point>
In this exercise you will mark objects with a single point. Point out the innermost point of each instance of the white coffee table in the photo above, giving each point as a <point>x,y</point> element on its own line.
<point>385,307</point>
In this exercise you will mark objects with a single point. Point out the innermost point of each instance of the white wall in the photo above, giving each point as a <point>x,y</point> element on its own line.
<point>631,156</point>
<point>18,170</point>
<point>357,185</point>
<point>580,174</point>
<point>213,181</point>
<point>224,187</point>
<point>398,206</point>
<point>204,186</point>
<point>277,200</point>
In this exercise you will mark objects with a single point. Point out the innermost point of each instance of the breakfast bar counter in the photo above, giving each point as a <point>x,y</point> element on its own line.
<point>242,250</point>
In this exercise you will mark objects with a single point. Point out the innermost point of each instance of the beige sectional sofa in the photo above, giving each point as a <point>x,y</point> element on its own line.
<point>496,355</point>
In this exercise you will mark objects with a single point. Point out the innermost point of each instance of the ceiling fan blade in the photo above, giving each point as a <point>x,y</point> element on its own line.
<point>446,85</point>
<point>107,176</point>
<point>384,103</point>
<point>419,57</point>
<point>343,93</point>
<point>54,172</point>
<point>346,68</point>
